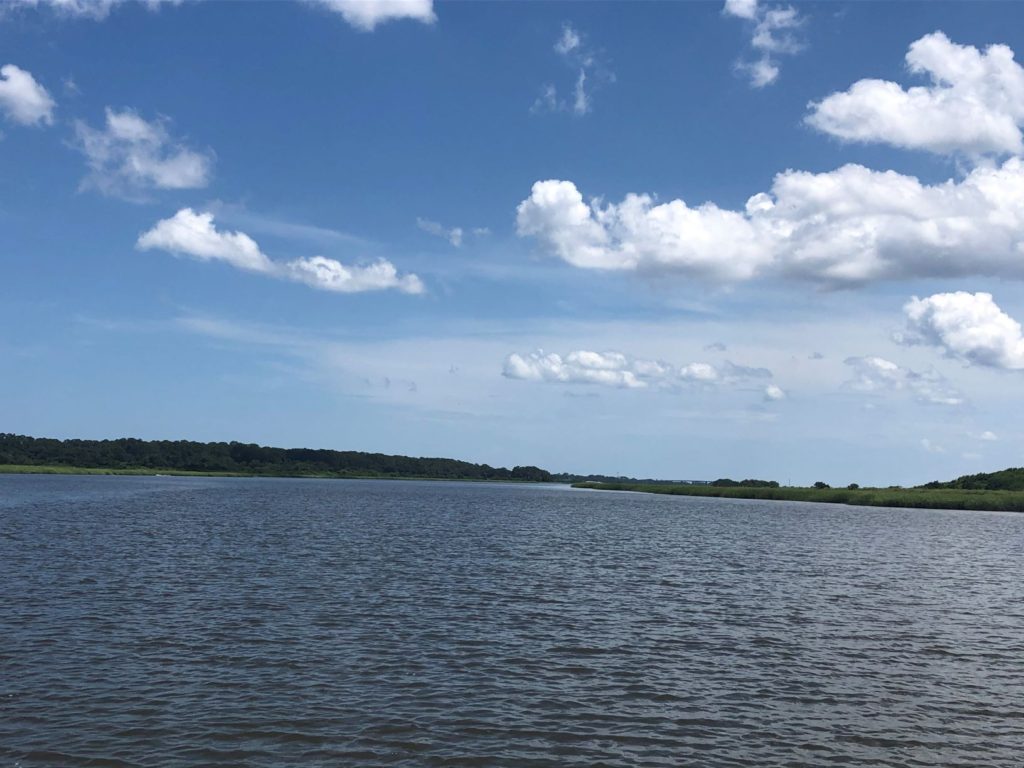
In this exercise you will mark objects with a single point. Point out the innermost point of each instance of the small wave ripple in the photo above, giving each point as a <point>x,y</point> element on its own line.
<point>173,622</point>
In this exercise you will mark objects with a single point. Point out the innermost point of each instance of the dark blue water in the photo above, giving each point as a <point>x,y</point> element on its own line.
<point>174,622</point>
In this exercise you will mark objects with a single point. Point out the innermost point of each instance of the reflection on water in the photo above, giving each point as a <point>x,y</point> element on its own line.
<point>172,621</point>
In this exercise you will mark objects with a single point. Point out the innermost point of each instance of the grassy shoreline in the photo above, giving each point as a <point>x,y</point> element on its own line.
<point>57,469</point>
<point>920,498</point>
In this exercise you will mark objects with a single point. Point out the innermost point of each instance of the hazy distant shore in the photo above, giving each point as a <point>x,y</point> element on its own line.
<point>922,498</point>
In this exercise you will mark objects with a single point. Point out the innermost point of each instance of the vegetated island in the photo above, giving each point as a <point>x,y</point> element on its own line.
<point>128,456</point>
<point>1001,491</point>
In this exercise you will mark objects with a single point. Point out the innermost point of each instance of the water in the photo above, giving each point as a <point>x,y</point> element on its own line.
<point>173,622</point>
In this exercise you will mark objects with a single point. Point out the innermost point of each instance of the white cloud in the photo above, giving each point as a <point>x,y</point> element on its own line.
<point>876,375</point>
<point>193,234</point>
<point>988,436</point>
<point>743,9</point>
<point>611,369</point>
<point>93,9</point>
<point>331,275</point>
<point>590,71</point>
<point>615,369</point>
<point>843,227</point>
<point>22,99</point>
<point>580,97</point>
<point>772,35</point>
<point>367,14</point>
<point>931,447</point>
<point>698,372</point>
<point>968,326</point>
<point>639,234</point>
<point>761,72</point>
<point>189,233</point>
<point>569,41</point>
<point>131,155</point>
<point>774,392</point>
<point>453,235</point>
<point>974,103</point>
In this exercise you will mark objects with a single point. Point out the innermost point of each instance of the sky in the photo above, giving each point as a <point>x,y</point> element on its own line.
<point>661,239</point>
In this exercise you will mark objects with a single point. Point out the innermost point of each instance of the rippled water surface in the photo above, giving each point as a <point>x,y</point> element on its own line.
<point>172,622</point>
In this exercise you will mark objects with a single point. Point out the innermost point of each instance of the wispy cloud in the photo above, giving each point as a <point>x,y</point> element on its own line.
<point>590,73</point>
<point>453,235</point>
<point>89,9</point>
<point>283,227</point>
<point>130,156</point>
<point>876,375</point>
<point>773,34</point>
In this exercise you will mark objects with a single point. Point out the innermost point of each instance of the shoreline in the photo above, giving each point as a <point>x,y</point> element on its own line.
<point>909,498</point>
<point>55,469</point>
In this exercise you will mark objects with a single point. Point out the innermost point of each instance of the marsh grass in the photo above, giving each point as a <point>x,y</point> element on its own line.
<point>922,498</point>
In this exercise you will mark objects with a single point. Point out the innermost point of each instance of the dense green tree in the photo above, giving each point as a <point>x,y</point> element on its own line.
<point>247,458</point>
<point>533,474</point>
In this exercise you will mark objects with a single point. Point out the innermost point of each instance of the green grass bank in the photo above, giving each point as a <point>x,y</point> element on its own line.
<point>922,498</point>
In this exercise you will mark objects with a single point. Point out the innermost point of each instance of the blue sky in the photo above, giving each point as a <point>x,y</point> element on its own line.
<point>660,239</point>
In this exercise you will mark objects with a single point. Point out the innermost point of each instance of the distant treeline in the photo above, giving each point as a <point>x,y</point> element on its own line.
<point>569,477</point>
<point>723,482</point>
<point>244,458</point>
<point>1011,479</point>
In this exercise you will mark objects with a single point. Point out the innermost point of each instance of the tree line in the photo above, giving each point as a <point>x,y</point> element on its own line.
<point>244,458</point>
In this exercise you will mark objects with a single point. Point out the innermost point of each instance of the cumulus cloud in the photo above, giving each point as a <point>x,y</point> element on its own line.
<point>773,392</point>
<point>331,275</point>
<point>772,34</point>
<point>876,375</point>
<point>842,227</point>
<point>988,436</point>
<point>130,155</point>
<point>699,372</point>
<point>611,368</point>
<point>968,326</point>
<point>615,369</point>
<point>638,233</point>
<point>589,72</point>
<point>453,235</point>
<point>193,234</point>
<point>974,103</point>
<point>22,99</point>
<point>365,15</point>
